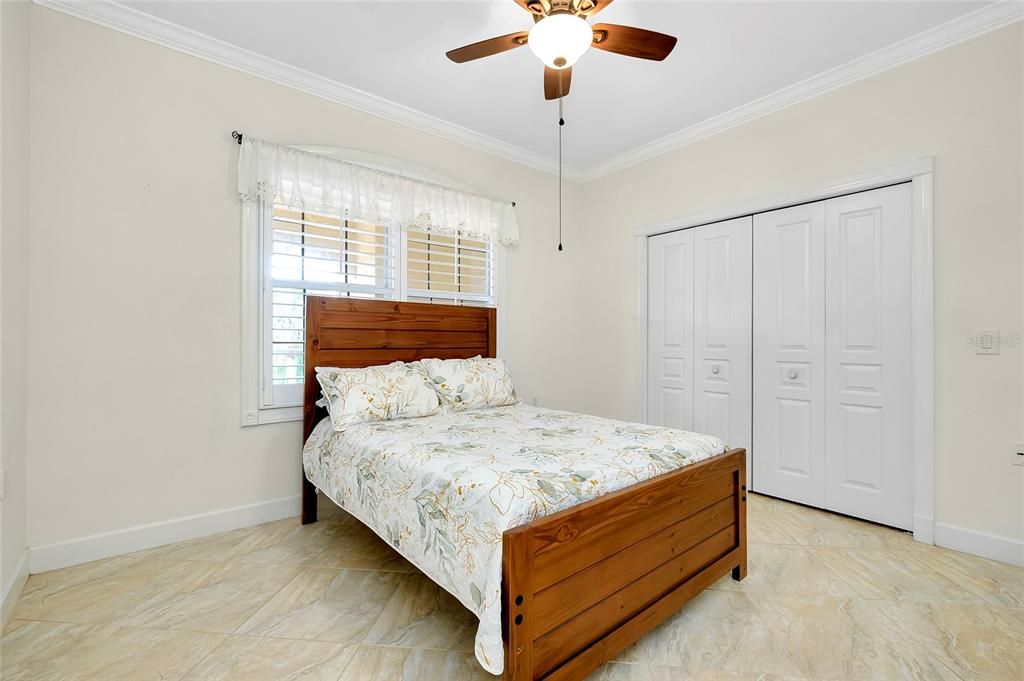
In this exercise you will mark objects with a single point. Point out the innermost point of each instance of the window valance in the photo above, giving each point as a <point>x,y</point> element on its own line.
<point>303,180</point>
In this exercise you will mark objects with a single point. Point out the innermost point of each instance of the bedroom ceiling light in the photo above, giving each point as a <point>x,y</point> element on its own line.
<point>559,40</point>
<point>561,35</point>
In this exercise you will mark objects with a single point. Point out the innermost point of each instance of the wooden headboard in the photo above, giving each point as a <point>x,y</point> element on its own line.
<point>351,333</point>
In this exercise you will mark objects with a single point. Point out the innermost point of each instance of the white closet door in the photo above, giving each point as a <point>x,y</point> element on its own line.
<point>789,354</point>
<point>670,330</point>
<point>721,346</point>
<point>869,467</point>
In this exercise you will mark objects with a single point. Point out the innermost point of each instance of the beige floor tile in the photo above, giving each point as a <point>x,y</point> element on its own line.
<point>92,593</point>
<point>765,526</point>
<point>977,641</point>
<point>893,575</point>
<point>826,598</point>
<point>811,527</point>
<point>631,671</point>
<point>288,542</point>
<point>625,671</point>
<point>787,570</point>
<point>839,638</point>
<point>207,596</point>
<point>351,544</point>
<point>619,671</point>
<point>716,675</point>
<point>423,615</point>
<point>993,582</point>
<point>326,605</point>
<point>260,659</point>
<point>371,663</point>
<point>764,502</point>
<point>216,547</point>
<point>45,651</point>
<point>717,630</point>
<point>11,626</point>
<point>338,541</point>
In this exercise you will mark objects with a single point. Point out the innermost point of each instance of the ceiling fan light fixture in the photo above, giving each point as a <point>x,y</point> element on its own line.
<point>559,40</point>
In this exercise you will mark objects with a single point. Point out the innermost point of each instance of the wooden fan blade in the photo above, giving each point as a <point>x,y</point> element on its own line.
<point>556,82</point>
<point>596,6</point>
<point>486,48</point>
<point>633,42</point>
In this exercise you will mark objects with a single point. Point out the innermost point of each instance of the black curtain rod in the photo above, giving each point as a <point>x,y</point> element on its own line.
<point>237,136</point>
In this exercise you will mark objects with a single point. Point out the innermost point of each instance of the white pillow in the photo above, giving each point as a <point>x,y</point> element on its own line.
<point>381,393</point>
<point>475,383</point>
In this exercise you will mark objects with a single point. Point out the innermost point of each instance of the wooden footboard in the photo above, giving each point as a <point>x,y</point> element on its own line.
<point>581,585</point>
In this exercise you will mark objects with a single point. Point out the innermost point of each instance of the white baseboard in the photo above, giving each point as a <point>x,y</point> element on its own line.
<point>118,542</point>
<point>980,543</point>
<point>12,589</point>
<point>924,529</point>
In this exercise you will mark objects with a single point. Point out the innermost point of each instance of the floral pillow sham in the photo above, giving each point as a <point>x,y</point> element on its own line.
<point>380,393</point>
<point>475,383</point>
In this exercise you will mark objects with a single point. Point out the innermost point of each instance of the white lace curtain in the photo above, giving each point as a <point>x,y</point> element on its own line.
<point>303,180</point>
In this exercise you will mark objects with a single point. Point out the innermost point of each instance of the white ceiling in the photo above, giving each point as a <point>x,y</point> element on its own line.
<point>729,54</point>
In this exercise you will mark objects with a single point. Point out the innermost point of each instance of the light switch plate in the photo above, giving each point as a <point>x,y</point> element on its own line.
<point>986,342</point>
<point>1018,454</point>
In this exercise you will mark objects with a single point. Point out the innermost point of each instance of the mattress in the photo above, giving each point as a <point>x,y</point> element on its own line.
<point>442,489</point>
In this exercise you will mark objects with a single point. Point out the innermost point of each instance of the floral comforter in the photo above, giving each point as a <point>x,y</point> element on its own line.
<point>442,489</point>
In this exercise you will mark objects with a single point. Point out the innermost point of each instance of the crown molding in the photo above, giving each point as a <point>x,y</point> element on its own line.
<point>964,27</point>
<point>901,172</point>
<point>141,25</point>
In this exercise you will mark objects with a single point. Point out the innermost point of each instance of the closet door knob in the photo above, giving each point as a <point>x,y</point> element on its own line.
<point>714,369</point>
<point>792,374</point>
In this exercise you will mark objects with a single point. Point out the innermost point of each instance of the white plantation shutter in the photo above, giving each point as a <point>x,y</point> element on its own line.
<point>309,253</point>
<point>315,254</point>
<point>414,240</point>
<point>449,269</point>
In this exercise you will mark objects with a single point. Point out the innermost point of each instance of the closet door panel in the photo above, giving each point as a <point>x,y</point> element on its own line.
<point>788,445</point>
<point>869,469</point>
<point>670,330</point>
<point>721,348</point>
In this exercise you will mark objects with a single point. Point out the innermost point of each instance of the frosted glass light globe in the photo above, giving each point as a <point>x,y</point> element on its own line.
<point>560,40</point>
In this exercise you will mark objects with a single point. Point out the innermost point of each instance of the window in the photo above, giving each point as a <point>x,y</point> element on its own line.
<point>448,269</point>
<point>315,254</point>
<point>304,252</point>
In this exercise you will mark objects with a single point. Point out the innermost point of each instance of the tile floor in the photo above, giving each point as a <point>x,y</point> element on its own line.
<point>826,598</point>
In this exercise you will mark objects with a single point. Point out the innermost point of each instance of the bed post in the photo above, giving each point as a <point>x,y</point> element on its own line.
<point>308,501</point>
<point>492,332</point>
<point>516,603</point>
<point>740,571</point>
<point>311,393</point>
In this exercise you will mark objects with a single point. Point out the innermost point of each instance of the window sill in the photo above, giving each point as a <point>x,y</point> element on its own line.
<point>261,417</point>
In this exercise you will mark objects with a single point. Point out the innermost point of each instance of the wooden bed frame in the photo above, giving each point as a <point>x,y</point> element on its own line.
<point>581,585</point>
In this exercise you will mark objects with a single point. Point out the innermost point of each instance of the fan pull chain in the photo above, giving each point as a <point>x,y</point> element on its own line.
<point>561,123</point>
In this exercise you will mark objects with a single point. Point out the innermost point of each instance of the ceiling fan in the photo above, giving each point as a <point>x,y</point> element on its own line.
<point>561,35</point>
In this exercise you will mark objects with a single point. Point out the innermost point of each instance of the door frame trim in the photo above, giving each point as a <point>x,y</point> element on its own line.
<point>920,173</point>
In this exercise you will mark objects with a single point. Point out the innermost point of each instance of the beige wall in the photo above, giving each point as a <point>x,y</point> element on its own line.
<point>134,260</point>
<point>14,122</point>
<point>964,107</point>
<point>135,292</point>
